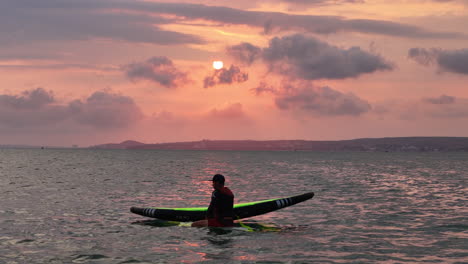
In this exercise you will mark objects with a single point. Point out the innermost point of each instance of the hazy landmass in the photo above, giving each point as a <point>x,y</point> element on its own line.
<point>19,146</point>
<point>364,144</point>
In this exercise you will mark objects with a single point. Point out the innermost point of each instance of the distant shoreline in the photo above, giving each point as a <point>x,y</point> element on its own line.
<point>389,144</point>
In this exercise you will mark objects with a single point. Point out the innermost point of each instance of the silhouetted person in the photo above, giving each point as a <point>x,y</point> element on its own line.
<point>220,212</point>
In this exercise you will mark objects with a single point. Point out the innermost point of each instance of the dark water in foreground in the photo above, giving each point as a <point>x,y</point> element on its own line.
<point>72,206</point>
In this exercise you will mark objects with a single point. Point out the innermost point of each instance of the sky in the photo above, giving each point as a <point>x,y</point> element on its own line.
<point>86,72</point>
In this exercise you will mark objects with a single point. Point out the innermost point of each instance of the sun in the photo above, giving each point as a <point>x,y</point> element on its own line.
<point>218,65</point>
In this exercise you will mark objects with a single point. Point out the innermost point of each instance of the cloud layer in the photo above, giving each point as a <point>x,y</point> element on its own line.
<point>276,21</point>
<point>30,21</point>
<point>312,63</point>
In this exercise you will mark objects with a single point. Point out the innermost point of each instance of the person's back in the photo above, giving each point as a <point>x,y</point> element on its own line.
<point>220,212</point>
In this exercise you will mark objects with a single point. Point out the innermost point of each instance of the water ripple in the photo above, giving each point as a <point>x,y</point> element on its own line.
<point>72,206</point>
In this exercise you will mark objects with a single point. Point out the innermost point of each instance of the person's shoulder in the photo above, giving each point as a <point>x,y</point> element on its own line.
<point>226,191</point>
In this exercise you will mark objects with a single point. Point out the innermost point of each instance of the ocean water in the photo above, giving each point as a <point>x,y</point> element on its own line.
<point>72,206</point>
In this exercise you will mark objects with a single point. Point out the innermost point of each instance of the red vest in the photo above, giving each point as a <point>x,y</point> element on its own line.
<point>220,212</point>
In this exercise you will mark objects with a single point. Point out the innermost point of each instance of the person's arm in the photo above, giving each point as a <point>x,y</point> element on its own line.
<point>210,213</point>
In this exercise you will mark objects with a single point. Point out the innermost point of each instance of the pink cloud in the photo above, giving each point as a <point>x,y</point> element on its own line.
<point>245,52</point>
<point>321,101</point>
<point>106,111</point>
<point>305,98</point>
<point>443,99</point>
<point>38,109</point>
<point>232,111</point>
<point>308,58</point>
<point>264,88</point>
<point>443,107</point>
<point>455,61</point>
<point>32,99</point>
<point>156,69</point>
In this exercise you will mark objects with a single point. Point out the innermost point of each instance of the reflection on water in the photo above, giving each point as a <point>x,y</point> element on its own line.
<point>72,206</point>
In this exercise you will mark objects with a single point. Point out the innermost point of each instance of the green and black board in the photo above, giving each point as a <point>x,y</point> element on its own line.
<point>241,211</point>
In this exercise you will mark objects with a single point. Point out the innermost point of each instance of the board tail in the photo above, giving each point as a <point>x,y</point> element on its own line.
<point>263,207</point>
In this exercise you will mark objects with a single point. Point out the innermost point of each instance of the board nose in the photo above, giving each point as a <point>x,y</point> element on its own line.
<point>137,210</point>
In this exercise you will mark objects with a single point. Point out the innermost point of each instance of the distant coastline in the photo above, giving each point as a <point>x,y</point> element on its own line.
<point>35,147</point>
<point>390,144</point>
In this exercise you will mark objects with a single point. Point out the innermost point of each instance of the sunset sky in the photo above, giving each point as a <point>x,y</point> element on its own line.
<point>98,71</point>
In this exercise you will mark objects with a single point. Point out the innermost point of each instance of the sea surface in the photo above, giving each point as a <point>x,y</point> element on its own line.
<point>72,206</point>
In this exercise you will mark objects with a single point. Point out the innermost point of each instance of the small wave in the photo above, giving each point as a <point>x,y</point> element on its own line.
<point>25,241</point>
<point>83,258</point>
<point>131,261</point>
<point>457,227</point>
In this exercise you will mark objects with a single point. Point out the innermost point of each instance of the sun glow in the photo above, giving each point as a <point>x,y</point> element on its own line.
<point>218,65</point>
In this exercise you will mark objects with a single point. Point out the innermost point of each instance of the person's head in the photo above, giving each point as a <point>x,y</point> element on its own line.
<point>218,181</point>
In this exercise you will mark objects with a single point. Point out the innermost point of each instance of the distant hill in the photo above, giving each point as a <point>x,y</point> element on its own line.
<point>364,144</point>
<point>124,145</point>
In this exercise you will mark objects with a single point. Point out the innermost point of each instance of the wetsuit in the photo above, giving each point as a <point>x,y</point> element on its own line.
<point>220,212</point>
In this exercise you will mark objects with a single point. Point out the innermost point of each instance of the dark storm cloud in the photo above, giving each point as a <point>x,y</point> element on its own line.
<point>455,61</point>
<point>443,99</point>
<point>322,101</point>
<point>38,108</point>
<point>157,69</point>
<point>311,59</point>
<point>25,21</point>
<point>225,76</point>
